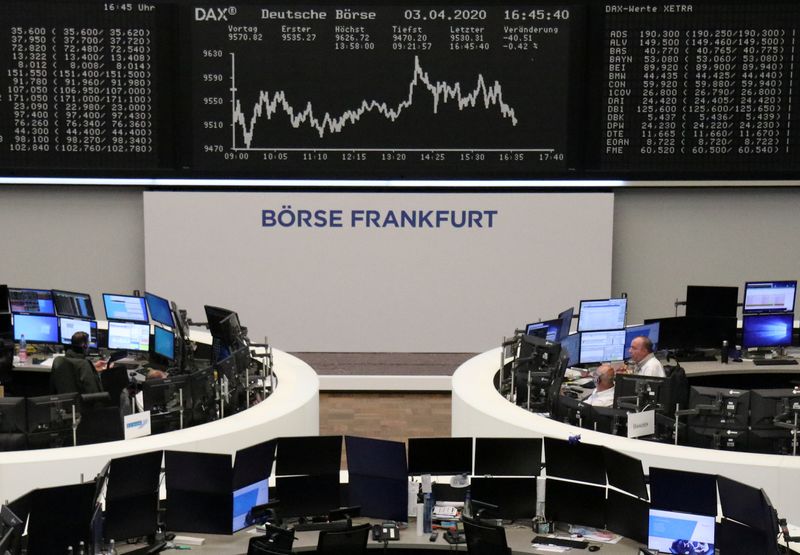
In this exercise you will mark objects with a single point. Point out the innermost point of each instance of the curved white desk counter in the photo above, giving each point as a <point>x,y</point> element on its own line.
<point>292,410</point>
<point>478,410</point>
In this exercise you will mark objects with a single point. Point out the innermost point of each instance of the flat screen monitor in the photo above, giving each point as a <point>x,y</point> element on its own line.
<point>36,328</point>
<point>675,532</point>
<point>245,498</point>
<point>508,456</point>
<point>128,336</point>
<point>12,415</point>
<point>204,387</point>
<point>253,464</point>
<point>650,331</point>
<point>690,332</point>
<point>602,346</point>
<point>307,495</point>
<point>575,503</point>
<point>51,412</point>
<point>165,394</point>
<point>223,324</point>
<point>650,392</point>
<point>376,457</point>
<point>293,455</point>
<point>766,404</point>
<point>582,462</point>
<point>31,301</point>
<point>769,296</point>
<point>160,310</point>
<point>571,345</point>
<point>627,516</point>
<point>67,327</point>
<point>379,497</point>
<point>73,305</point>
<point>688,492</point>
<point>164,343</point>
<point>767,330</point>
<point>566,321</point>
<point>604,314</point>
<point>707,300</point>
<point>625,473</point>
<point>549,329</point>
<point>741,502</point>
<point>126,308</point>
<point>515,497</point>
<point>440,455</point>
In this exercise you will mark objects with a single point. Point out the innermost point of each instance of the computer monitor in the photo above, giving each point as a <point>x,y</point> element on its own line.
<point>203,385</point>
<point>51,412</point>
<point>767,330</point>
<point>164,343</point>
<point>11,529</point>
<point>582,462</point>
<point>67,327</point>
<point>378,480</point>
<point>575,503</point>
<point>767,406</point>
<point>73,305</point>
<point>549,329</point>
<point>650,331</point>
<point>376,457</point>
<point>675,532</point>
<point>131,495</point>
<point>571,345</point>
<point>199,489</point>
<point>440,455</point>
<point>603,314</point>
<point>635,392</point>
<point>566,321</point>
<point>707,300</point>
<point>307,495</point>
<point>164,394</point>
<point>508,456</point>
<point>31,301</point>
<point>245,498</point>
<point>126,308</point>
<point>13,416</point>
<point>625,473</point>
<point>602,346</point>
<point>690,332</point>
<point>128,336</point>
<point>159,309</point>
<point>769,296</point>
<point>627,516</point>
<point>515,497</point>
<point>742,503</point>
<point>682,491</point>
<point>36,328</point>
<point>224,325</point>
<point>293,455</point>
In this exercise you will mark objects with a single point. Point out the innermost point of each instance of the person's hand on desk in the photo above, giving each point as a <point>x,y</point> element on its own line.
<point>100,365</point>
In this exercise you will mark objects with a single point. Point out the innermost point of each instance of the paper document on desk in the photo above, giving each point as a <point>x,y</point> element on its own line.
<point>550,548</point>
<point>595,535</point>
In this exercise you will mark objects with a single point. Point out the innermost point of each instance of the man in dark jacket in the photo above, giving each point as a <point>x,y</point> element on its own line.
<point>74,373</point>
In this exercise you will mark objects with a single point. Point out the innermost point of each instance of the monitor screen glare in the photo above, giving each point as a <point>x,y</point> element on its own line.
<point>31,301</point>
<point>164,343</point>
<point>159,310</point>
<point>245,499</point>
<point>769,296</point>
<point>128,336</point>
<point>606,314</point>
<point>69,326</point>
<point>767,330</point>
<point>36,328</point>
<point>672,532</point>
<point>126,308</point>
<point>602,346</point>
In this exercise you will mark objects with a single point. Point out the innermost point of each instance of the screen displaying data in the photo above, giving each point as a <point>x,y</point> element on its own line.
<point>31,301</point>
<point>125,307</point>
<point>36,328</point>
<point>673,532</point>
<point>769,296</point>
<point>604,314</point>
<point>79,85</point>
<point>128,336</point>
<point>602,346</point>
<point>419,89</point>
<point>699,85</point>
<point>69,326</point>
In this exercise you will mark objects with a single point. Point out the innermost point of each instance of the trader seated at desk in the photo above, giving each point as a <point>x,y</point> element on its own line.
<point>74,373</point>
<point>603,394</point>
<point>645,362</point>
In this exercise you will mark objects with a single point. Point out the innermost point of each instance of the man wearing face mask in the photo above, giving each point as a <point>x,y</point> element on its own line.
<point>603,394</point>
<point>74,373</point>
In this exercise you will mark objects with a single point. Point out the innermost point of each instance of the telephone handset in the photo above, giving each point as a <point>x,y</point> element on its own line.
<point>387,531</point>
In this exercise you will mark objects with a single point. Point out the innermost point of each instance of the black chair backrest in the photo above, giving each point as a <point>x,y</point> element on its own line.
<point>351,541</point>
<point>485,539</point>
<point>114,380</point>
<point>262,546</point>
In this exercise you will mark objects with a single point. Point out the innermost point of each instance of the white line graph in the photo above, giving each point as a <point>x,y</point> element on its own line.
<point>271,103</point>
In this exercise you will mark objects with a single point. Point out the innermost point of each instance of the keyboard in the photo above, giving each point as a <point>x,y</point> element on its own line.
<point>561,542</point>
<point>774,361</point>
<point>320,526</point>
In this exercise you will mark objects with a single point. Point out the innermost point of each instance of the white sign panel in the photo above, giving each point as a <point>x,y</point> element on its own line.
<point>348,272</point>
<point>641,423</point>
<point>137,424</point>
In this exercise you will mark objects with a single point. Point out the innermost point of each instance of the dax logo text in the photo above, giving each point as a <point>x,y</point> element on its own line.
<point>213,14</point>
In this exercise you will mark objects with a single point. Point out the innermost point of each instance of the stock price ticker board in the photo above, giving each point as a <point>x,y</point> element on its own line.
<point>406,90</point>
<point>79,86</point>
<point>700,86</point>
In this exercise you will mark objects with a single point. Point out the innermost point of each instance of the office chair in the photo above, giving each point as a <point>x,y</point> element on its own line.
<point>484,539</point>
<point>260,546</point>
<point>351,541</point>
